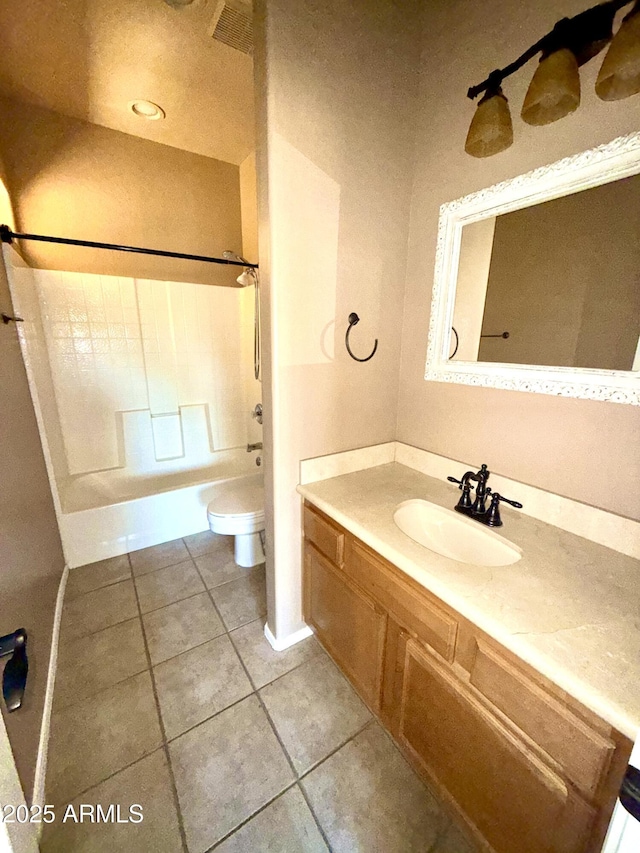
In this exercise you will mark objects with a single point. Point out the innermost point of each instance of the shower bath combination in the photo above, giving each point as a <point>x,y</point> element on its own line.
<point>159,491</point>
<point>246,278</point>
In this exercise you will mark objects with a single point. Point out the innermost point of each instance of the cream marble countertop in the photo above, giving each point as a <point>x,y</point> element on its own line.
<point>570,607</point>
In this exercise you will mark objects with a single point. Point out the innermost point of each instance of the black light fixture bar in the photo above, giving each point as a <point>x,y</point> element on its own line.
<point>586,34</point>
<point>8,236</point>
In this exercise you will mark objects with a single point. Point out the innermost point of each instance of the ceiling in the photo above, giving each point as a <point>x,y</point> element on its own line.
<point>91,58</point>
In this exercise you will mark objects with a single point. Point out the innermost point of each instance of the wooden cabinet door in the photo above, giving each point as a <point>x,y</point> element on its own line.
<point>515,802</point>
<point>348,624</point>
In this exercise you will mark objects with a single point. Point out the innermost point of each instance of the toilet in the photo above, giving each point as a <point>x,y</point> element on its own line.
<point>237,509</point>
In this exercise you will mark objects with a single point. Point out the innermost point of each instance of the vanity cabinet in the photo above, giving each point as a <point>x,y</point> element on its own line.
<point>349,624</point>
<point>528,768</point>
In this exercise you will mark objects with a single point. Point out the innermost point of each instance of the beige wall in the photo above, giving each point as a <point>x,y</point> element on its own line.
<point>565,281</point>
<point>30,550</point>
<point>249,207</point>
<point>582,449</point>
<point>69,178</point>
<point>334,152</point>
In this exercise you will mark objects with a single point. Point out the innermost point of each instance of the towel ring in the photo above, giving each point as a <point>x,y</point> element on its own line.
<point>353,320</point>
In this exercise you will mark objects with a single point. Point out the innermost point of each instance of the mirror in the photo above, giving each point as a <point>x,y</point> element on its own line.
<point>537,281</point>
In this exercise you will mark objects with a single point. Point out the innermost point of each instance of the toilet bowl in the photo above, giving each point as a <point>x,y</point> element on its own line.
<point>237,509</point>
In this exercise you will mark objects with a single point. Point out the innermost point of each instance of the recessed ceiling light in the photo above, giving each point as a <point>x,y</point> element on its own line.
<point>147,109</point>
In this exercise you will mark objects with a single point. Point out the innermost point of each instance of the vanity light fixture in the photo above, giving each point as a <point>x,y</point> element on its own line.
<point>554,91</point>
<point>491,129</point>
<point>619,76</point>
<point>147,110</point>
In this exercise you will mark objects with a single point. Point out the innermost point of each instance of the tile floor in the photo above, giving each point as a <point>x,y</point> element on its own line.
<point>168,695</point>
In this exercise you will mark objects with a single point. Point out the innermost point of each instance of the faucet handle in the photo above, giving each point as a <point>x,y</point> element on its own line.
<point>453,480</point>
<point>516,504</point>
<point>493,513</point>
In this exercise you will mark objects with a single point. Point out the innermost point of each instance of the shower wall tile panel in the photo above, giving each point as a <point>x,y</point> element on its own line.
<point>147,375</point>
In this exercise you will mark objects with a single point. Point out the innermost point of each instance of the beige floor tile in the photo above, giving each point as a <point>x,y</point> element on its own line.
<point>97,575</point>
<point>157,589</point>
<point>454,841</point>
<point>367,798</point>
<point>147,784</point>
<point>98,609</point>
<point>181,626</point>
<point>98,661</point>
<point>314,710</point>
<point>158,557</point>
<point>99,736</point>
<point>199,683</point>
<point>218,568</point>
<point>243,600</point>
<point>225,770</point>
<point>205,542</point>
<point>262,661</point>
<point>285,826</point>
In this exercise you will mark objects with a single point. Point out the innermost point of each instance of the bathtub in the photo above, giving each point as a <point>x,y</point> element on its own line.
<point>108,513</point>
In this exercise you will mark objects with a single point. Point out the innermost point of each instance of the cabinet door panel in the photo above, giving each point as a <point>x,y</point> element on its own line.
<point>415,608</point>
<point>348,623</point>
<point>516,803</point>
<point>583,753</point>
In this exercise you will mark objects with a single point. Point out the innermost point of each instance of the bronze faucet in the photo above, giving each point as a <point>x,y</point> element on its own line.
<point>478,509</point>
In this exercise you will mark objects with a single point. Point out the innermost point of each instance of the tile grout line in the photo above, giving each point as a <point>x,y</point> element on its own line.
<point>117,772</point>
<point>284,749</point>
<point>190,649</point>
<point>165,745</point>
<point>448,821</point>
<point>315,817</point>
<point>74,703</point>
<point>329,755</point>
<point>251,816</point>
<point>256,693</point>
<point>95,588</point>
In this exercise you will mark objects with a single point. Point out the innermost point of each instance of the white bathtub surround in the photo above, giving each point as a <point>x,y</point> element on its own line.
<point>598,525</point>
<point>569,607</point>
<point>102,521</point>
<point>139,387</point>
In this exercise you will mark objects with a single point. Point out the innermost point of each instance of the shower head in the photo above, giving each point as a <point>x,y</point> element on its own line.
<point>247,278</point>
<point>233,256</point>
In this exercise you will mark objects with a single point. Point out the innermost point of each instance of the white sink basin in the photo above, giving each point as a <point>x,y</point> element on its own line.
<point>454,535</point>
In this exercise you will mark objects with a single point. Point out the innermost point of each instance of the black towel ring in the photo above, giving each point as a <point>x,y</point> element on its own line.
<point>353,320</point>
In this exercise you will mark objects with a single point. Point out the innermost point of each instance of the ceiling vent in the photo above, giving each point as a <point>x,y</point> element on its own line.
<point>233,25</point>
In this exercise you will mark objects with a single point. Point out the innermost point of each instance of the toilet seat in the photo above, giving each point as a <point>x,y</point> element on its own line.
<point>237,507</point>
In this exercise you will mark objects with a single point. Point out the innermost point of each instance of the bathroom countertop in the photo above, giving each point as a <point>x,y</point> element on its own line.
<point>570,607</point>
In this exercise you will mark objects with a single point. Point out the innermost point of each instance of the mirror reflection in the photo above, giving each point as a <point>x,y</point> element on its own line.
<point>556,284</point>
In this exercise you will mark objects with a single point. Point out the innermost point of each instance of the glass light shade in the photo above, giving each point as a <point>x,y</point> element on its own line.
<point>619,76</point>
<point>554,91</point>
<point>491,130</point>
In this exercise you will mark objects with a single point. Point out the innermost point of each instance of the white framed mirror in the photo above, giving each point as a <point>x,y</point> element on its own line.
<point>537,281</point>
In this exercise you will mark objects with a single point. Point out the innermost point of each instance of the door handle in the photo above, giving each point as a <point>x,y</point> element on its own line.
<point>14,678</point>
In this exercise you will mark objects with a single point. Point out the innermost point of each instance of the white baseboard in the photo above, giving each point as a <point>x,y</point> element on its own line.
<point>43,745</point>
<point>287,642</point>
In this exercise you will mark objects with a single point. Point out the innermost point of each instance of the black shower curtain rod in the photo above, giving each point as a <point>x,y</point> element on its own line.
<point>8,236</point>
